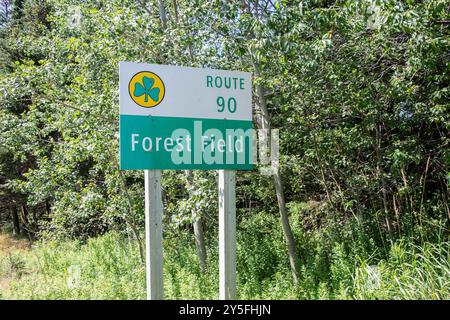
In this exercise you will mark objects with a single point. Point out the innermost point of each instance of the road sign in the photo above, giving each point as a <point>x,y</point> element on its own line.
<point>184,118</point>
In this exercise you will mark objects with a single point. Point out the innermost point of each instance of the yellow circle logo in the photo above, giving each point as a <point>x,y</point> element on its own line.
<point>146,89</point>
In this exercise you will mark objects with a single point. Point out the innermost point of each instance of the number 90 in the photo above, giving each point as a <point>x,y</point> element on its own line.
<point>230,104</point>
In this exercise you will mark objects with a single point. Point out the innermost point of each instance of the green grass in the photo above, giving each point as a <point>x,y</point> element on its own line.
<point>418,273</point>
<point>337,261</point>
<point>108,267</point>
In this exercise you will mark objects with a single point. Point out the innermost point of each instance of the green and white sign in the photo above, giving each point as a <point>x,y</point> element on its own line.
<point>184,118</point>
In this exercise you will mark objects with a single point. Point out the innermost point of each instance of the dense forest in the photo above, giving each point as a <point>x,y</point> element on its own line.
<point>359,90</point>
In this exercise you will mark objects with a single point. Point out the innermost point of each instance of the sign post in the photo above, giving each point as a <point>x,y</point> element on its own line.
<point>182,118</point>
<point>153,234</point>
<point>227,234</point>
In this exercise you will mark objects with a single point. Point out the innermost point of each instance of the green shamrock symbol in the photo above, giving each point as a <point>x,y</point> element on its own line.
<point>146,89</point>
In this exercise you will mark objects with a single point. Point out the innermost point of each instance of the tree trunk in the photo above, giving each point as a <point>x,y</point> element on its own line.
<point>384,199</point>
<point>198,224</point>
<point>26,222</point>
<point>287,231</point>
<point>200,243</point>
<point>198,233</point>
<point>175,10</point>
<point>265,124</point>
<point>48,209</point>
<point>162,14</point>
<point>129,222</point>
<point>15,221</point>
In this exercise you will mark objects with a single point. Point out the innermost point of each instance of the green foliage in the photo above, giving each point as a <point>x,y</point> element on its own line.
<point>358,89</point>
<point>349,85</point>
<point>410,272</point>
<point>108,268</point>
<point>104,268</point>
<point>201,200</point>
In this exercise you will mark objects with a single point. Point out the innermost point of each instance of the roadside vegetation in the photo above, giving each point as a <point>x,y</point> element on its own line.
<point>108,267</point>
<point>359,208</point>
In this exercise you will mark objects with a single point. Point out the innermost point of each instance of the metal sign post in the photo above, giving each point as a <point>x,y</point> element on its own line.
<point>153,235</point>
<point>227,234</point>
